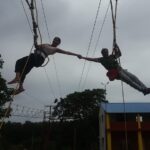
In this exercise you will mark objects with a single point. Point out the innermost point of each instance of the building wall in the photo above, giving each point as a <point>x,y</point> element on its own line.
<point>132,135</point>
<point>119,141</point>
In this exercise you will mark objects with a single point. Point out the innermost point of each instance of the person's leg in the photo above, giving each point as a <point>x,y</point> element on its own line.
<point>16,79</point>
<point>29,64</point>
<point>135,79</point>
<point>20,89</point>
<point>23,67</point>
<point>20,63</point>
<point>132,80</point>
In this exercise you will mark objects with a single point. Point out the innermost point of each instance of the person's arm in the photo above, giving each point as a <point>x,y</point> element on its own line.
<point>116,51</point>
<point>91,59</point>
<point>67,52</point>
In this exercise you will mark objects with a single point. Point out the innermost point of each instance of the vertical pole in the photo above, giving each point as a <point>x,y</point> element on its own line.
<point>140,140</point>
<point>108,132</point>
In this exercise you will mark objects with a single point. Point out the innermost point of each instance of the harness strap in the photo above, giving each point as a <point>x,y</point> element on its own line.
<point>41,52</point>
<point>112,74</point>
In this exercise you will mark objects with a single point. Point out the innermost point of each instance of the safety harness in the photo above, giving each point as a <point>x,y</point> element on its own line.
<point>113,73</point>
<point>39,52</point>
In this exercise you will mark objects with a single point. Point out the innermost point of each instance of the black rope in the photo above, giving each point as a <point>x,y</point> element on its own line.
<point>114,21</point>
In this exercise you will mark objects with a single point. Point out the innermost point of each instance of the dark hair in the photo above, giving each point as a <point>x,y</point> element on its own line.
<point>57,39</point>
<point>104,50</point>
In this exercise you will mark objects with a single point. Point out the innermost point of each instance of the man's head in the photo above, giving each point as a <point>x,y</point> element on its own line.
<point>105,52</point>
<point>56,41</point>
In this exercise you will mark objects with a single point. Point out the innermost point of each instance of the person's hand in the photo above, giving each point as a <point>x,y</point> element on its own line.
<point>116,46</point>
<point>38,47</point>
<point>79,56</point>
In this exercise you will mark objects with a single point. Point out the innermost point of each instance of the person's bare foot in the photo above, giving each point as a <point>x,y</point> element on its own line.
<point>19,91</point>
<point>14,81</point>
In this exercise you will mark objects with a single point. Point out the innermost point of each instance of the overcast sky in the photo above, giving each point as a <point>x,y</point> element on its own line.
<point>73,22</point>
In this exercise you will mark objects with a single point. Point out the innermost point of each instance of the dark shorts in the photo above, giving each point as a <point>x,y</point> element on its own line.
<point>25,64</point>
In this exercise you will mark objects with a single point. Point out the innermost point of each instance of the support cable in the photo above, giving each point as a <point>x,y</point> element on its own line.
<point>26,16</point>
<point>55,66</point>
<point>49,81</point>
<point>45,20</point>
<point>95,48</point>
<point>89,45</point>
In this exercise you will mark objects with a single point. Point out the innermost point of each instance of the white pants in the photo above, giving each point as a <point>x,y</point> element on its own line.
<point>131,79</point>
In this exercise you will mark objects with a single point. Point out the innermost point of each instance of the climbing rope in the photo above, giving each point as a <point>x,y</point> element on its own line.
<point>114,20</point>
<point>114,16</point>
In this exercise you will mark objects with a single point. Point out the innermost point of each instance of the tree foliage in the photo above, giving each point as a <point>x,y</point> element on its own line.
<point>4,90</point>
<point>67,135</point>
<point>79,105</point>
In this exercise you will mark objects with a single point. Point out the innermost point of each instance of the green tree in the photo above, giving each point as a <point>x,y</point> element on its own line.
<point>4,91</point>
<point>79,105</point>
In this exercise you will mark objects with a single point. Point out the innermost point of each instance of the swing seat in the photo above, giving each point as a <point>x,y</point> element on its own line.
<point>112,74</point>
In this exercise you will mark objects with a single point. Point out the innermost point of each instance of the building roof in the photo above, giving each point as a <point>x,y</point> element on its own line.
<point>126,107</point>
